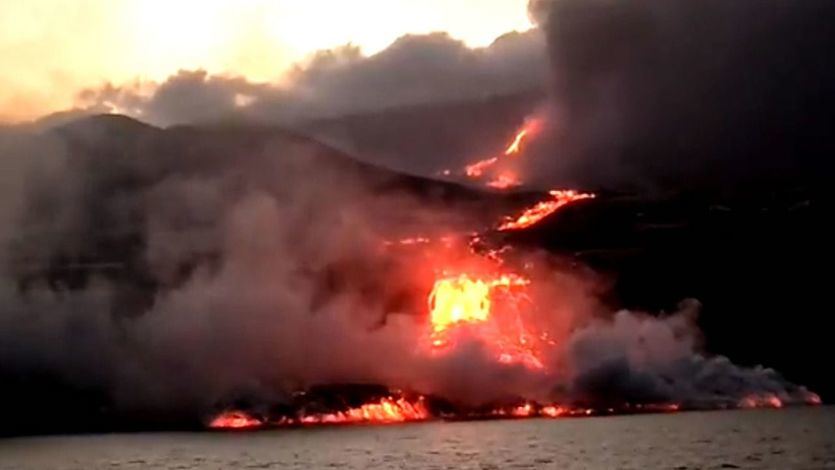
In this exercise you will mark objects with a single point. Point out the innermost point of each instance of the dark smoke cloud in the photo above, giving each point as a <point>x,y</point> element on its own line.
<point>646,94</point>
<point>414,69</point>
<point>221,267</point>
<point>634,357</point>
<point>689,92</point>
<point>329,95</point>
<point>223,263</point>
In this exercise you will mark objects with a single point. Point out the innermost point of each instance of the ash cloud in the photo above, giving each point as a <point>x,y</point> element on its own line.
<point>157,272</point>
<point>642,95</point>
<point>423,104</point>
<point>415,69</point>
<point>150,275</point>
<point>634,357</point>
<point>688,93</point>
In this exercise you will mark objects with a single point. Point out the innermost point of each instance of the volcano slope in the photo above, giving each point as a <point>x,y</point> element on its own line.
<point>155,274</point>
<point>105,215</point>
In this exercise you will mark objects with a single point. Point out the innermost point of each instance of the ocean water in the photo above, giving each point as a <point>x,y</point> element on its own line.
<point>802,438</point>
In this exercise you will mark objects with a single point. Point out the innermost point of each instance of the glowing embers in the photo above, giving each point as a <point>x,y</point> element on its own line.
<point>387,410</point>
<point>235,420</point>
<point>486,309</point>
<point>542,209</point>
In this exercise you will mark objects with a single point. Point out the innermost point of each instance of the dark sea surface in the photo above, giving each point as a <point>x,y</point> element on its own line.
<point>801,438</point>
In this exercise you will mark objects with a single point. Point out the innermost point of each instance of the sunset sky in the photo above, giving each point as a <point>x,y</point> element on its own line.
<point>52,49</point>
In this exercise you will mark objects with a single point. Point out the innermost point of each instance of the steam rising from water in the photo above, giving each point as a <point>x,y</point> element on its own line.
<point>171,271</point>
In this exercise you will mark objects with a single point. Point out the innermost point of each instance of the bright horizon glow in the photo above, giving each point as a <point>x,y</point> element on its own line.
<point>53,49</point>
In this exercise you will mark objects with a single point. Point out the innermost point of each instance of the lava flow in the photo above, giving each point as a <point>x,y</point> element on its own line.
<point>487,310</point>
<point>235,420</point>
<point>464,300</point>
<point>478,298</point>
<point>515,146</point>
<point>504,179</point>
<point>542,209</point>
<point>387,410</point>
<point>770,400</point>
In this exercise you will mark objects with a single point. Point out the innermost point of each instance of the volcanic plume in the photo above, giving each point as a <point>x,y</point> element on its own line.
<point>226,274</point>
<point>487,299</point>
<point>262,279</point>
<point>249,277</point>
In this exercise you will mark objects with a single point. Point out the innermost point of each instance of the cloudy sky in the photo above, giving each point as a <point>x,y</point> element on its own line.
<point>51,49</point>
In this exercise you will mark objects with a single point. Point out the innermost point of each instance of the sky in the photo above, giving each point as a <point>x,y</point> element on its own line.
<point>52,49</point>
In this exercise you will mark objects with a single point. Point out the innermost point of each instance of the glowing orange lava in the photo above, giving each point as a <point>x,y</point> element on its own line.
<point>490,304</point>
<point>477,169</point>
<point>235,420</point>
<point>542,209</point>
<point>501,179</point>
<point>764,400</point>
<point>465,305</point>
<point>530,127</point>
<point>483,301</point>
<point>505,180</point>
<point>387,410</point>
<point>462,299</point>
<point>552,411</point>
<point>523,411</point>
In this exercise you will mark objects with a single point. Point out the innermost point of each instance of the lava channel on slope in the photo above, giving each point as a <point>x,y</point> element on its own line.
<point>487,300</point>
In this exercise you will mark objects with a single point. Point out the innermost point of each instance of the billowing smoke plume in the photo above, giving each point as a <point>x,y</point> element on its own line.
<point>159,274</point>
<point>639,358</point>
<point>688,93</point>
<point>415,69</point>
<point>642,94</point>
<point>382,107</point>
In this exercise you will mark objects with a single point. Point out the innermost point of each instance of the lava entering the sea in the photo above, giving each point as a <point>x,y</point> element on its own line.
<point>386,410</point>
<point>478,296</point>
<point>235,420</point>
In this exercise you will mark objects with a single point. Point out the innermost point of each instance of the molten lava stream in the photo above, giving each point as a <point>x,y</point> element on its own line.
<point>505,179</point>
<point>485,309</point>
<point>235,420</point>
<point>542,209</point>
<point>530,127</point>
<point>386,411</point>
